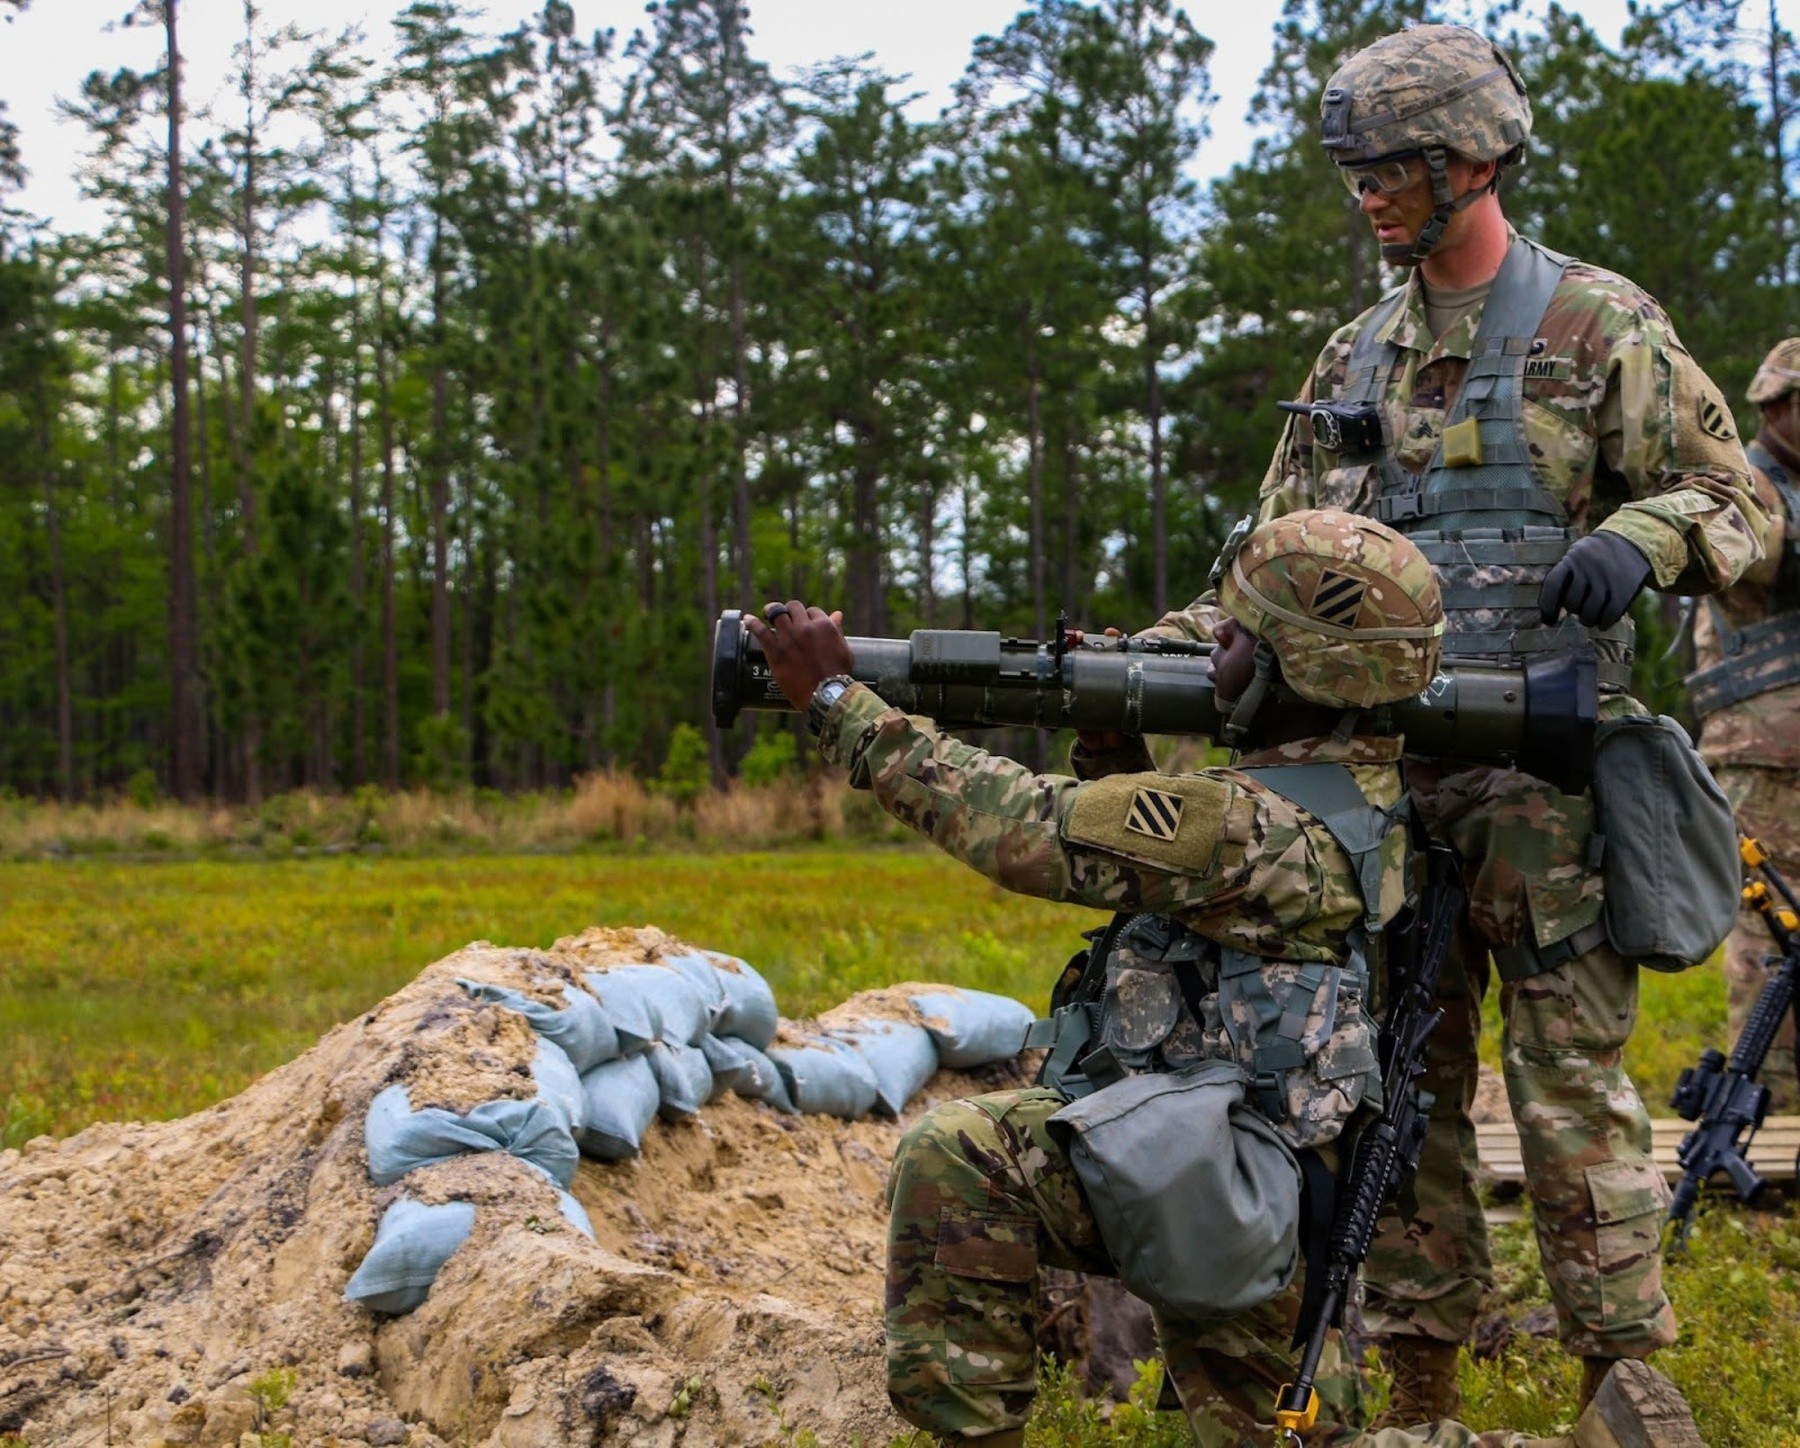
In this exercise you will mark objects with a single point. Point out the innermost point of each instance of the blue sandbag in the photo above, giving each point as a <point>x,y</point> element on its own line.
<point>749,1010</point>
<point>826,1076</point>
<point>683,1079</point>
<point>620,1100</point>
<point>581,1028</point>
<point>698,972</point>
<point>900,1054</point>
<point>411,1243</point>
<point>558,1081</point>
<point>973,1027</point>
<point>747,1071</point>
<point>650,1003</point>
<point>574,1214</point>
<point>540,1131</point>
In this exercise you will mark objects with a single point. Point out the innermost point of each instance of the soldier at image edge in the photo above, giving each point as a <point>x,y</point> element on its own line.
<point>1532,423</point>
<point>1745,692</point>
<point>1251,905</point>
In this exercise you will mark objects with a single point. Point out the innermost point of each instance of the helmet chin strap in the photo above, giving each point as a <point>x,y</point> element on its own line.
<point>1445,204</point>
<point>1250,702</point>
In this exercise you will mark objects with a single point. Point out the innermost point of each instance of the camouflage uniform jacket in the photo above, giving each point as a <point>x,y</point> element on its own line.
<point>1243,866</point>
<point>1622,425</point>
<point>1763,731</point>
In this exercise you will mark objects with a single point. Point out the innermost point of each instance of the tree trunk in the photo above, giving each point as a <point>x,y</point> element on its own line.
<point>184,730</point>
<point>1159,492</point>
<point>440,488</point>
<point>390,650</point>
<point>59,604</point>
<point>359,758</point>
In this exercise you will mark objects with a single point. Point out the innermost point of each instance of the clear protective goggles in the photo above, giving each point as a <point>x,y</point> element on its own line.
<point>1390,175</point>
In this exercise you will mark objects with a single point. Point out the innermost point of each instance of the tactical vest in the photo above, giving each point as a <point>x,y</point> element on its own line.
<point>1478,513</point>
<point>1151,991</point>
<point>1766,654</point>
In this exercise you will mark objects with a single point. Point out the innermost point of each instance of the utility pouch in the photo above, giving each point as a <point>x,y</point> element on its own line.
<point>1196,1197</point>
<point>1667,842</point>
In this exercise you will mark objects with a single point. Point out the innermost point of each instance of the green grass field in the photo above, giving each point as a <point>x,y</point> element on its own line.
<point>150,990</point>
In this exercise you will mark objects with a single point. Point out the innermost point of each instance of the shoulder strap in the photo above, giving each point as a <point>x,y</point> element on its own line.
<point>1330,791</point>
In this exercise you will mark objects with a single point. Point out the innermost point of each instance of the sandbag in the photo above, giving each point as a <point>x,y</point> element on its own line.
<point>739,1066</point>
<point>539,1130</point>
<point>826,1076</point>
<point>748,1011</point>
<point>581,1027</point>
<point>683,1079</point>
<point>973,1027</point>
<point>620,1100</point>
<point>901,1055</point>
<point>412,1242</point>
<point>650,1003</point>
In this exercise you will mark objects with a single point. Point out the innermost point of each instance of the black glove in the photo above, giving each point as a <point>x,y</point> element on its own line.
<point>1596,580</point>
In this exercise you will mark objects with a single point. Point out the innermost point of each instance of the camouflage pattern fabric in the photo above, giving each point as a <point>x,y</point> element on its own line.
<point>1778,375</point>
<point>1624,428</point>
<point>981,1196</point>
<point>1763,731</point>
<point>1398,88</point>
<point>1244,866</point>
<point>1350,607</point>
<point>1584,1136</point>
<point>1763,800</point>
<point>1627,431</point>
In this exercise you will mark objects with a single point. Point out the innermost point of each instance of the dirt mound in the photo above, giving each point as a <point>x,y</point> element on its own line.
<point>164,1284</point>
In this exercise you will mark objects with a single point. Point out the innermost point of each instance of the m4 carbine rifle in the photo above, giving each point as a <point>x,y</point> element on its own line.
<point>1388,1148</point>
<point>1539,717</point>
<point>1723,1096</point>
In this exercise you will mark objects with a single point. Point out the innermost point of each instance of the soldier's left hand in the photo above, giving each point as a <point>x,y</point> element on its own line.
<point>1596,580</point>
<point>804,647</point>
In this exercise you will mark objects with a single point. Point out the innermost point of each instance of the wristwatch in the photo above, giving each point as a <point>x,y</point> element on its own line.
<point>827,694</point>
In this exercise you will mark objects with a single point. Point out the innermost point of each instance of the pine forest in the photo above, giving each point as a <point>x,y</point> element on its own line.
<point>408,422</point>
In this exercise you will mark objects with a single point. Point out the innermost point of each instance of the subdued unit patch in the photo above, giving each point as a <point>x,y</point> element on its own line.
<point>1337,598</point>
<point>1715,420</point>
<point>1105,809</point>
<point>1156,813</point>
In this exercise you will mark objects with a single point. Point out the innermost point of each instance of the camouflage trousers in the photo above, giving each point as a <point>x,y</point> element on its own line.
<point>1765,802</point>
<point>1597,1198</point>
<point>980,1196</point>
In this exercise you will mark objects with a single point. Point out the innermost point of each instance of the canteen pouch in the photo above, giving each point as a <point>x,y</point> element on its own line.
<point>1667,842</point>
<point>1196,1197</point>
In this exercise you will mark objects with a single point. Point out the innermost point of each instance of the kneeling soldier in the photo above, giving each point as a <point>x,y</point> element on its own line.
<point>1218,1042</point>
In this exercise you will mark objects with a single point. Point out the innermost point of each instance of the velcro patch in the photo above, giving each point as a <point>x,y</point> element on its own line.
<point>1176,822</point>
<point>1156,813</point>
<point>1337,598</point>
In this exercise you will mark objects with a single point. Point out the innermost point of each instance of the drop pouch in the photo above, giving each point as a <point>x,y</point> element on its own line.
<point>1196,1197</point>
<point>1667,844</point>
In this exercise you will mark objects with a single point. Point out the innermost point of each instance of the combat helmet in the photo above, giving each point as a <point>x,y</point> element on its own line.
<point>1778,375</point>
<point>1428,91</point>
<point>1347,607</point>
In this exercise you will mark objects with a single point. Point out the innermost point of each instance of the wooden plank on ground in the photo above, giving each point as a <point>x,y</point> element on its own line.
<point>1771,1153</point>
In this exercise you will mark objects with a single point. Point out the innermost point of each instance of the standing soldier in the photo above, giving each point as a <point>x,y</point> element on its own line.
<point>1533,425</point>
<point>1746,691</point>
<point>1218,1037</point>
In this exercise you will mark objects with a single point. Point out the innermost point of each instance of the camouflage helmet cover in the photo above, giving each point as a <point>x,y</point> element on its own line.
<point>1432,85</point>
<point>1778,375</point>
<point>1350,607</point>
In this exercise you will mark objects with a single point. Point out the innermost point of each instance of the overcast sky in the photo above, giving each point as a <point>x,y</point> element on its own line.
<point>46,52</point>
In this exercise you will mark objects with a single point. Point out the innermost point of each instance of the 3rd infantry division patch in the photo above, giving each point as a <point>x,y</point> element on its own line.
<point>1155,814</point>
<point>1714,420</point>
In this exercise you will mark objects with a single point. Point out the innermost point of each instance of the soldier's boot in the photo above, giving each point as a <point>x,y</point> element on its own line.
<point>1425,1387</point>
<point>1593,1373</point>
<point>1634,1406</point>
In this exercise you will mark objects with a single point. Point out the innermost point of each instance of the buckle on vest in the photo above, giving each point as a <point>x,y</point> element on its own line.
<point>1400,507</point>
<point>1270,1090</point>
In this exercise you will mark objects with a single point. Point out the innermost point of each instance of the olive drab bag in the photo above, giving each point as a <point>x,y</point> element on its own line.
<point>1666,841</point>
<point>1196,1195</point>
